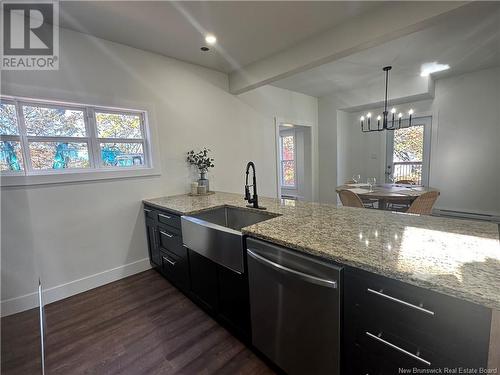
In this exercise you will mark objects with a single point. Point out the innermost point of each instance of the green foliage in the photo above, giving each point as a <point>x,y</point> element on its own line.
<point>44,121</point>
<point>288,147</point>
<point>201,159</point>
<point>8,119</point>
<point>114,125</point>
<point>409,144</point>
<point>55,155</point>
<point>288,173</point>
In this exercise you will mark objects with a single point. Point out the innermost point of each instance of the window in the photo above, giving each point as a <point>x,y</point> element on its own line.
<point>11,157</point>
<point>408,153</point>
<point>121,140</point>
<point>55,138</point>
<point>287,156</point>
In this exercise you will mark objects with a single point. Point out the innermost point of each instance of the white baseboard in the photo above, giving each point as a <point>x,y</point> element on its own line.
<point>484,216</point>
<point>56,293</point>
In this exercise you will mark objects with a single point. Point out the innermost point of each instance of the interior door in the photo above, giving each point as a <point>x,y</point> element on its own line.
<point>408,152</point>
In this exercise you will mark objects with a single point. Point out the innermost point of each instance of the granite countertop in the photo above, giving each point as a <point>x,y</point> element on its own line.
<point>456,257</point>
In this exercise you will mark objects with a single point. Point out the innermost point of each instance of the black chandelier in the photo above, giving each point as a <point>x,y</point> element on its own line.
<point>383,122</point>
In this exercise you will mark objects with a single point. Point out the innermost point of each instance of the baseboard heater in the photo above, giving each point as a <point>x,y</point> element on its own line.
<point>466,215</point>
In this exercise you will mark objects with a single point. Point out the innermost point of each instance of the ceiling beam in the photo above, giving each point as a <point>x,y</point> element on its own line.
<point>388,22</point>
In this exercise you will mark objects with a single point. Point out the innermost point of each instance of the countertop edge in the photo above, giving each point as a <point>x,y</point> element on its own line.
<point>475,298</point>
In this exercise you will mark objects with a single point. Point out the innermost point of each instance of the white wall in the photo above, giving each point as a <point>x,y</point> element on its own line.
<point>335,146</point>
<point>465,152</point>
<point>365,153</point>
<point>69,232</point>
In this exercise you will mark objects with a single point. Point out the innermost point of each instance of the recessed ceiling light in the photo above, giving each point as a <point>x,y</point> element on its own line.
<point>432,67</point>
<point>210,39</point>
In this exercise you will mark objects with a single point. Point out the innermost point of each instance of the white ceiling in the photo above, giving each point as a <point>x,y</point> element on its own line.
<point>247,31</point>
<point>467,41</point>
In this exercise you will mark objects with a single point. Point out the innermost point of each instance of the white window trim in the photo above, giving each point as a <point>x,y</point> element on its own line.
<point>95,171</point>
<point>426,122</point>
<point>288,134</point>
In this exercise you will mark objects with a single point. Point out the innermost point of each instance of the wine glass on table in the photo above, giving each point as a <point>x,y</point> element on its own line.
<point>371,181</point>
<point>356,178</point>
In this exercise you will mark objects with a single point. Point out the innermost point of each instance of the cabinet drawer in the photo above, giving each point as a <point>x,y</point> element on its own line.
<point>150,213</point>
<point>175,269</point>
<point>443,325</point>
<point>169,219</point>
<point>171,240</point>
<point>373,360</point>
<point>397,351</point>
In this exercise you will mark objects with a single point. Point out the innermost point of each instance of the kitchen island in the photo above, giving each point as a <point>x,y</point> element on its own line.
<point>455,258</point>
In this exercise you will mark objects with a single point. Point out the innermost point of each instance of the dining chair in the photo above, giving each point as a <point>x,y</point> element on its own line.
<point>350,199</point>
<point>423,204</point>
<point>367,202</point>
<point>400,205</point>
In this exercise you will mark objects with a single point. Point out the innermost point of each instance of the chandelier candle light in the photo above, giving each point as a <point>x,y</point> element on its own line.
<point>383,122</point>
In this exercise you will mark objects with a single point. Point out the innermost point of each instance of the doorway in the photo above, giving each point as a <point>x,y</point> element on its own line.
<point>408,153</point>
<point>294,161</point>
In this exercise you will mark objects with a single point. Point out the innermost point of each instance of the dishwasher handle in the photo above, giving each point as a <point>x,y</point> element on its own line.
<point>303,276</point>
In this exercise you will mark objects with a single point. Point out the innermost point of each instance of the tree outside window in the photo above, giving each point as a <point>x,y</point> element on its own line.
<point>287,154</point>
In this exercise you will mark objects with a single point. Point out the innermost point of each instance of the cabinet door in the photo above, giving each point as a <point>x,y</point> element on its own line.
<point>234,306</point>
<point>203,274</point>
<point>175,269</point>
<point>171,239</point>
<point>153,247</point>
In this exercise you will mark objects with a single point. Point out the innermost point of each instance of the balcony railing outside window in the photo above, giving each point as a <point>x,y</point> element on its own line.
<point>408,170</point>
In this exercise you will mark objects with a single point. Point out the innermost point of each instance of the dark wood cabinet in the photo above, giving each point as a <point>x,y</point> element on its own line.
<point>203,274</point>
<point>152,238</point>
<point>175,268</point>
<point>390,325</point>
<point>219,290</point>
<point>165,246</point>
<point>234,305</point>
<point>222,292</point>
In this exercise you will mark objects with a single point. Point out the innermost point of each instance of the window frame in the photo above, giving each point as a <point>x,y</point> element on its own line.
<point>98,140</point>
<point>283,185</point>
<point>14,138</point>
<point>96,170</point>
<point>426,122</point>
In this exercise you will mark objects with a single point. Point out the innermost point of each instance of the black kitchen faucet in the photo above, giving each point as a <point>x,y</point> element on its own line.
<point>253,200</point>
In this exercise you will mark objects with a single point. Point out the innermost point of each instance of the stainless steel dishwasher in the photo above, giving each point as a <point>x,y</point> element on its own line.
<point>295,309</point>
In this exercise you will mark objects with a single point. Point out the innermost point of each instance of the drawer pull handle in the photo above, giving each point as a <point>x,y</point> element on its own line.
<point>400,301</point>
<point>154,238</point>
<point>301,275</point>
<point>165,216</point>
<point>167,234</point>
<point>387,343</point>
<point>147,211</point>
<point>171,262</point>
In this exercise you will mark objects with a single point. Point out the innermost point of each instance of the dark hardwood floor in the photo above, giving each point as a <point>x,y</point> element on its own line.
<point>137,325</point>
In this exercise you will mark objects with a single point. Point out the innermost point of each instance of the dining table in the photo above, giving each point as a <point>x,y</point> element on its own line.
<point>386,194</point>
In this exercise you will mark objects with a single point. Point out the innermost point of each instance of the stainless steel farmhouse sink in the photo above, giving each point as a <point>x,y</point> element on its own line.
<point>216,233</point>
